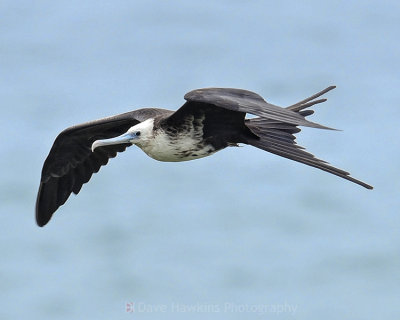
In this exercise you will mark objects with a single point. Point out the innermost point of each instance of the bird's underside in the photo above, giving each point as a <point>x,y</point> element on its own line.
<point>209,121</point>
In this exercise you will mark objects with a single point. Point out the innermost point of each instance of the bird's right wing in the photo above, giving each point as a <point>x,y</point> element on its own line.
<point>71,162</point>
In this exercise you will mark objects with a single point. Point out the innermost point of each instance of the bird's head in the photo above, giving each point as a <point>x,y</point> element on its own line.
<point>138,134</point>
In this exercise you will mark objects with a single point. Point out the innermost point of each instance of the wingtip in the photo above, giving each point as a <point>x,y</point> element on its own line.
<point>42,215</point>
<point>369,187</point>
<point>41,219</point>
<point>359,182</point>
<point>40,223</point>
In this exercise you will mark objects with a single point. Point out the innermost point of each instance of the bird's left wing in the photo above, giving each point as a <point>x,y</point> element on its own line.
<point>249,102</point>
<point>276,126</point>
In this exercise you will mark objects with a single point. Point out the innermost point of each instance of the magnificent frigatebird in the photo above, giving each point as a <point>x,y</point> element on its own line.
<point>210,120</point>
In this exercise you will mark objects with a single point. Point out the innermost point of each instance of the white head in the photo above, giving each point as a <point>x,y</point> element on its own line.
<point>137,134</point>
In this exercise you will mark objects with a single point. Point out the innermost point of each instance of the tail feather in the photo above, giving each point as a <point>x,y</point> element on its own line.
<point>308,102</point>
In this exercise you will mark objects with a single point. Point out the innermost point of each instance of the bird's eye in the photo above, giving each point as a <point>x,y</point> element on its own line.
<point>137,133</point>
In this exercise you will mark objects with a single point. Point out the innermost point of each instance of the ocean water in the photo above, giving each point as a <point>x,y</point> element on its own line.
<point>239,235</point>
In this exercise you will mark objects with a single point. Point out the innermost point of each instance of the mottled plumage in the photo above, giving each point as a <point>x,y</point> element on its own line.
<point>211,119</point>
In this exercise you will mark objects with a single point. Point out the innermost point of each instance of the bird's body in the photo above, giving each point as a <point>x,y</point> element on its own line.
<point>211,120</point>
<point>171,145</point>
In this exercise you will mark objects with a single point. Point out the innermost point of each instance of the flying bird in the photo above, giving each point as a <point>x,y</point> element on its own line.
<point>210,120</point>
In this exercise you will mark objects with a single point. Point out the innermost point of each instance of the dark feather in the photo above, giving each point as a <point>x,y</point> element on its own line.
<point>71,162</point>
<point>277,138</point>
<point>248,102</point>
<point>275,127</point>
<point>220,126</point>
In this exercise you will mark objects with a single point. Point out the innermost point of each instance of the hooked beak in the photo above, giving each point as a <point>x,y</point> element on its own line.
<point>124,138</point>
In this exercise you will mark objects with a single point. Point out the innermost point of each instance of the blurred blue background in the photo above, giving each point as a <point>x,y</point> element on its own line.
<point>242,227</point>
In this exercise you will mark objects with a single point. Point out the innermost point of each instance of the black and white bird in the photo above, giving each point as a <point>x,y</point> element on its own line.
<point>210,120</point>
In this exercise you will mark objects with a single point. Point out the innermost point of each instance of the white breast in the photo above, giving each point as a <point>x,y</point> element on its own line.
<point>183,147</point>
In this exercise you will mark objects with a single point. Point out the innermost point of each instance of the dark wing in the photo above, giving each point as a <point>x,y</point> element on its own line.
<point>275,126</point>
<point>71,162</point>
<point>250,102</point>
<point>278,138</point>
